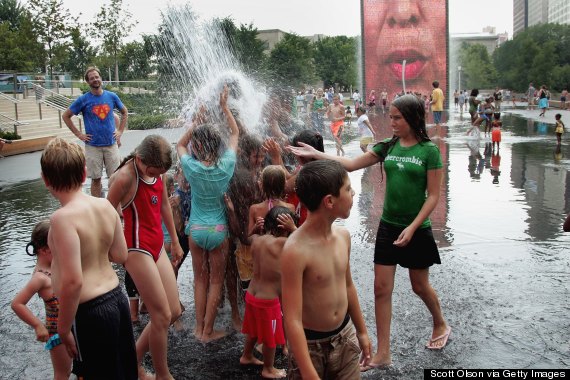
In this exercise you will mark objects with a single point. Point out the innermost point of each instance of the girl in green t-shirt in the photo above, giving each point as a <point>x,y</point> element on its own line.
<point>413,179</point>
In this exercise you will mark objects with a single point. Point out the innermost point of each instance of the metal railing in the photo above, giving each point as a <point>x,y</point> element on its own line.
<point>12,100</point>
<point>11,123</point>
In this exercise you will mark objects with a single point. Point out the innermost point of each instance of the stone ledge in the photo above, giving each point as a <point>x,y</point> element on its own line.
<point>25,146</point>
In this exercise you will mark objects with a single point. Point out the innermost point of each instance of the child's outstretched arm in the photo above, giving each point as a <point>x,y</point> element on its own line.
<point>234,130</point>
<point>33,286</point>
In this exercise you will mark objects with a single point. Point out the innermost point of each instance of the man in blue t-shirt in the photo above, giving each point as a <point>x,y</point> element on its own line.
<point>102,139</point>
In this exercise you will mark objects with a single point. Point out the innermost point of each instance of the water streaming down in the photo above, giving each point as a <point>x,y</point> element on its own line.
<point>202,62</point>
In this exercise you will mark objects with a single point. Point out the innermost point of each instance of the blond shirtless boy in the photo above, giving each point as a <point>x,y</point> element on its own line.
<point>262,322</point>
<point>336,114</point>
<point>85,235</point>
<point>325,328</point>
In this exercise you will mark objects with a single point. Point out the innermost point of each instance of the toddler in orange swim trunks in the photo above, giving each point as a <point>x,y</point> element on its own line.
<point>336,113</point>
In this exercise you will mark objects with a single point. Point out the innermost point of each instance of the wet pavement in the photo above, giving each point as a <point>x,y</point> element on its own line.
<point>503,283</point>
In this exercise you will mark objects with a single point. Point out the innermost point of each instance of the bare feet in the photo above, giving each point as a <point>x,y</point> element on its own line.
<point>198,331</point>
<point>237,322</point>
<point>273,373</point>
<point>144,375</point>
<point>214,335</point>
<point>378,361</point>
<point>251,360</point>
<point>285,350</point>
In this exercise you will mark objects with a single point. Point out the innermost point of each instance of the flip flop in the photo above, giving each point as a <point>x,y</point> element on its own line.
<point>443,338</point>
<point>371,365</point>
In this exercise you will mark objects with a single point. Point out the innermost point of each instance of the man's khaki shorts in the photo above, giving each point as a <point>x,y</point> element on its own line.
<point>98,157</point>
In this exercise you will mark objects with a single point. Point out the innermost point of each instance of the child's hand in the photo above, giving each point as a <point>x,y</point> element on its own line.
<point>259,222</point>
<point>286,222</point>
<point>229,203</point>
<point>42,335</point>
<point>366,347</point>
<point>69,342</point>
<point>224,97</point>
<point>174,200</point>
<point>272,147</point>
<point>176,253</point>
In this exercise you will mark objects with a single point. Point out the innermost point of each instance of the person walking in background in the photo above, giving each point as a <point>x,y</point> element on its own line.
<point>437,104</point>
<point>563,98</point>
<point>543,100</point>
<point>102,139</point>
<point>356,100</point>
<point>530,94</point>
<point>498,96</point>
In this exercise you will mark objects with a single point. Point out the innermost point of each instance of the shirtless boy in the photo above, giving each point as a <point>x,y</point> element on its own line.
<point>320,306</point>
<point>262,320</point>
<point>336,114</point>
<point>85,233</point>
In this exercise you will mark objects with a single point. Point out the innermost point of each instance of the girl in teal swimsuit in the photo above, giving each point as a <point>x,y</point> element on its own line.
<point>208,169</point>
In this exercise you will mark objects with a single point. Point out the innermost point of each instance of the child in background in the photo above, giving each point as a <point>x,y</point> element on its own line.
<point>273,185</point>
<point>139,189</point>
<point>169,184</point>
<point>496,130</point>
<point>348,116</point>
<point>262,321</point>
<point>40,283</point>
<point>365,129</point>
<point>180,203</point>
<point>559,128</point>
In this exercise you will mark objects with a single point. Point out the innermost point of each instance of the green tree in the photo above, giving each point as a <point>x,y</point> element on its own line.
<point>291,61</point>
<point>53,26</point>
<point>12,12</point>
<point>478,69</point>
<point>137,59</point>
<point>79,55</point>
<point>112,24</point>
<point>20,49</point>
<point>336,62</point>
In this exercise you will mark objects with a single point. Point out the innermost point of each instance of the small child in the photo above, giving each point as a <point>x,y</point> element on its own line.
<point>262,321</point>
<point>40,283</point>
<point>273,186</point>
<point>348,116</point>
<point>559,128</point>
<point>365,129</point>
<point>320,306</point>
<point>169,184</point>
<point>496,130</point>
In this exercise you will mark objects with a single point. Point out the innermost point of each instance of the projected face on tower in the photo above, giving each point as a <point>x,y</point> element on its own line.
<point>410,30</point>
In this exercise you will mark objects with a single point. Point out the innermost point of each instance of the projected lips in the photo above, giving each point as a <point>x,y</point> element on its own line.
<point>415,64</point>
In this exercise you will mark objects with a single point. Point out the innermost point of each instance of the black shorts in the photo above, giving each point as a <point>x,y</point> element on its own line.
<point>104,337</point>
<point>420,253</point>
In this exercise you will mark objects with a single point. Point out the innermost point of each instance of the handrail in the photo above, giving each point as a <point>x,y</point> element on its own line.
<point>14,123</point>
<point>9,98</point>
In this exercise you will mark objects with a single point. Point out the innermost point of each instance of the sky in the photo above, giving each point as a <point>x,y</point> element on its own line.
<point>303,17</point>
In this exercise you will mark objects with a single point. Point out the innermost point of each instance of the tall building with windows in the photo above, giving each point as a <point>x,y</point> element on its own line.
<point>559,11</point>
<point>527,13</point>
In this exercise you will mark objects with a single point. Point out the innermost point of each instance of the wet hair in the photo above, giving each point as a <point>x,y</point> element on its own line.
<point>90,69</point>
<point>558,116</point>
<point>474,92</point>
<point>361,110</point>
<point>497,115</point>
<point>413,111</point>
<point>207,143</point>
<point>63,165</point>
<point>39,238</point>
<point>271,224</point>
<point>318,179</point>
<point>247,144</point>
<point>169,182</point>
<point>154,151</point>
<point>311,138</point>
<point>273,181</point>
<point>435,84</point>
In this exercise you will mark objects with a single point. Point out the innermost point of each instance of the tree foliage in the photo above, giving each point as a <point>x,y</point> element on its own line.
<point>13,12</point>
<point>112,24</point>
<point>335,60</point>
<point>53,25</point>
<point>79,55</point>
<point>540,54</point>
<point>479,71</point>
<point>136,60</point>
<point>291,61</point>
